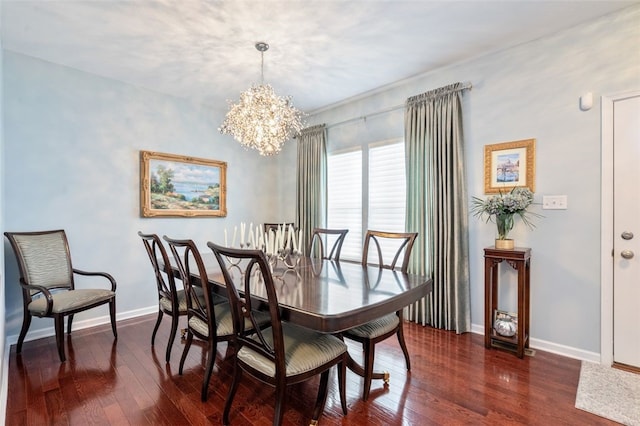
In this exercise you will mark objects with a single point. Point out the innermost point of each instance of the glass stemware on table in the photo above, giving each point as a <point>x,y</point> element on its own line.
<point>283,244</point>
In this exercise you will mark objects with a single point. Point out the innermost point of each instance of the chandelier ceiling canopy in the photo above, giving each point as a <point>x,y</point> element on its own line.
<point>261,119</point>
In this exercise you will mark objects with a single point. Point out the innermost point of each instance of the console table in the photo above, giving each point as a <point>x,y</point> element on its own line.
<point>520,259</point>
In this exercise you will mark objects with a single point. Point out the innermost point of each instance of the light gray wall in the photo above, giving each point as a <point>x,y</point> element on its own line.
<point>3,374</point>
<point>532,91</point>
<point>71,152</point>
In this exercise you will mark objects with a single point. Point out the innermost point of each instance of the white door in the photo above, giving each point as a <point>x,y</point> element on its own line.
<point>626,231</point>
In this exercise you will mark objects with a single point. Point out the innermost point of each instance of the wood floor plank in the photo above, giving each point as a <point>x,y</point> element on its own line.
<point>453,380</point>
<point>56,411</point>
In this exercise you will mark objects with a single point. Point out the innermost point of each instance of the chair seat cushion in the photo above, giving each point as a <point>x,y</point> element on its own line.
<point>224,321</point>
<point>304,349</point>
<point>65,301</point>
<point>375,328</point>
<point>165,302</point>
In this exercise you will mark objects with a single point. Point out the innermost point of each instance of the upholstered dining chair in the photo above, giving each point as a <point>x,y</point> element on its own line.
<point>393,245</point>
<point>171,300</point>
<point>282,354</point>
<point>48,285</point>
<point>206,320</point>
<point>208,314</point>
<point>323,236</point>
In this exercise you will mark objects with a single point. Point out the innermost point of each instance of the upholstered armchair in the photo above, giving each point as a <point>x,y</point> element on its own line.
<point>48,286</point>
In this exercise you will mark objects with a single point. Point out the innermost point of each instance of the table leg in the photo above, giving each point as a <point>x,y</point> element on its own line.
<point>353,365</point>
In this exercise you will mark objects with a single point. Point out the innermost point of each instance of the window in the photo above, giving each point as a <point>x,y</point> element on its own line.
<point>344,199</point>
<point>366,190</point>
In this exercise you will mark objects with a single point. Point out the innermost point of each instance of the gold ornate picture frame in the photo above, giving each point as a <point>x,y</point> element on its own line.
<point>181,186</point>
<point>508,165</point>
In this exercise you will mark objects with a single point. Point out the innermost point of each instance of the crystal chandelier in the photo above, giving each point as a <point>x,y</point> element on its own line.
<point>262,120</point>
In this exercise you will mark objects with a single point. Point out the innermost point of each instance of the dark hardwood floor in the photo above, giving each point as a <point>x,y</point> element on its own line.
<point>454,380</point>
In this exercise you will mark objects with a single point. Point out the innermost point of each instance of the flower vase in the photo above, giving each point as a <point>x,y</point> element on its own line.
<point>507,244</point>
<point>504,222</point>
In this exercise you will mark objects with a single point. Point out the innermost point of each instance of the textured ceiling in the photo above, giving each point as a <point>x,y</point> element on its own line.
<point>322,52</point>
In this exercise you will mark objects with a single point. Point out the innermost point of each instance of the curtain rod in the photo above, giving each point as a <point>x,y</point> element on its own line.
<point>465,86</point>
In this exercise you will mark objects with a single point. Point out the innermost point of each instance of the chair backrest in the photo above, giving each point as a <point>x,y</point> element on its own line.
<point>165,280</point>
<point>333,238</point>
<point>189,261</point>
<point>274,226</point>
<point>391,244</point>
<point>248,271</point>
<point>43,259</point>
<point>283,226</point>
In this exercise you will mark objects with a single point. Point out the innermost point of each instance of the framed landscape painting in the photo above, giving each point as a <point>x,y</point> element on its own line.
<point>176,185</point>
<point>509,165</point>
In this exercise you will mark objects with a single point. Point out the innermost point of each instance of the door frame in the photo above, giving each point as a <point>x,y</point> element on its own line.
<point>606,225</point>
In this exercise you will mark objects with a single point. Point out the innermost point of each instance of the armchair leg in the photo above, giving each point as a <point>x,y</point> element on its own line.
<point>69,322</point>
<point>59,326</point>
<point>26,322</point>
<point>112,313</point>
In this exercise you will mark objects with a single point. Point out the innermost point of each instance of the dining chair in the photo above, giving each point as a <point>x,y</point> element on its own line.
<point>206,320</point>
<point>284,226</point>
<point>323,237</point>
<point>282,354</point>
<point>171,300</point>
<point>47,278</point>
<point>274,226</point>
<point>391,244</point>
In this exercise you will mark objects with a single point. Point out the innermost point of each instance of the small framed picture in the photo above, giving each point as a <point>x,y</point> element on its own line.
<point>508,165</point>
<point>177,185</point>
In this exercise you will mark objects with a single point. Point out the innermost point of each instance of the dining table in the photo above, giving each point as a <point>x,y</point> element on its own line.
<point>333,296</point>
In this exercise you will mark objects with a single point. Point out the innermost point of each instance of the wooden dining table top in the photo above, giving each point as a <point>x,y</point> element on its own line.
<point>330,296</point>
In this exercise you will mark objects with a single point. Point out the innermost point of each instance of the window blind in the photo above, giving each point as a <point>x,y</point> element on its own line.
<point>385,198</point>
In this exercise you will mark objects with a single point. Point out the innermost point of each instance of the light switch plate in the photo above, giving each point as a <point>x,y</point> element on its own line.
<point>554,202</point>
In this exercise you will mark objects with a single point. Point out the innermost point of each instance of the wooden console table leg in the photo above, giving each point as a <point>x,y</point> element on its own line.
<point>489,274</point>
<point>522,299</point>
<point>527,303</point>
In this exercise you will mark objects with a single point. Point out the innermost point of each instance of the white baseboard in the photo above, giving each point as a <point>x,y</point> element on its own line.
<point>555,348</point>
<point>79,325</point>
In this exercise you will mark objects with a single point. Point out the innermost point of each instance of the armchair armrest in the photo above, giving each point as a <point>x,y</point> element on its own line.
<point>45,293</point>
<point>100,274</point>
